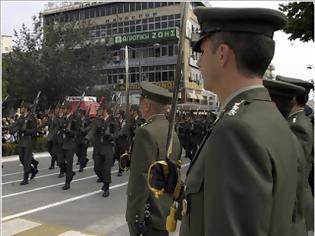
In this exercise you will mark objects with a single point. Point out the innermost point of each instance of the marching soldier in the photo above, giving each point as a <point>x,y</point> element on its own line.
<point>101,135</point>
<point>121,142</point>
<point>26,126</point>
<point>52,136</point>
<point>243,178</point>
<point>145,214</point>
<point>303,129</point>
<point>82,122</point>
<point>67,130</point>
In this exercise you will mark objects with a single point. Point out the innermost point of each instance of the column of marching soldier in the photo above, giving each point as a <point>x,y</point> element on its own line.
<point>248,175</point>
<point>110,135</point>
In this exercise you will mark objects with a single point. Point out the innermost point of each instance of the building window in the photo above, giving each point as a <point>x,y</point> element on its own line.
<point>171,50</point>
<point>144,5</point>
<point>120,8</point>
<point>158,76</point>
<point>151,77</point>
<point>138,28</point>
<point>132,6</point>
<point>164,76</point>
<point>157,52</point>
<point>151,4</point>
<point>126,7</point>
<point>138,6</point>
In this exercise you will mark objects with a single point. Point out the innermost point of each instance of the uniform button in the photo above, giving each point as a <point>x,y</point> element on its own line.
<point>299,169</point>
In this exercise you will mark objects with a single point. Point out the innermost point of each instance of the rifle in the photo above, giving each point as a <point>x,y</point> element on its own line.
<point>76,113</point>
<point>116,105</point>
<point>5,99</point>
<point>168,170</point>
<point>77,110</point>
<point>35,102</point>
<point>32,111</point>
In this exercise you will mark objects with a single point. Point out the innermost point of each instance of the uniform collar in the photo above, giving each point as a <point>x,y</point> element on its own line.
<point>255,92</point>
<point>296,112</point>
<point>156,117</point>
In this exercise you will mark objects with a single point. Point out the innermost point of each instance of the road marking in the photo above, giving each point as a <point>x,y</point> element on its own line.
<point>58,203</point>
<point>42,176</point>
<point>16,226</point>
<point>49,186</point>
<point>23,227</point>
<point>74,233</point>
<point>21,172</point>
<point>36,156</point>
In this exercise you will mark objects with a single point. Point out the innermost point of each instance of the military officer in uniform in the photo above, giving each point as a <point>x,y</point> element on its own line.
<point>303,129</point>
<point>82,123</point>
<point>101,135</point>
<point>26,126</point>
<point>243,178</point>
<point>283,94</point>
<point>145,214</point>
<point>52,136</point>
<point>68,130</point>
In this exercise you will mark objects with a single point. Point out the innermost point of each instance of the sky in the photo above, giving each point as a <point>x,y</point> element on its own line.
<point>291,57</point>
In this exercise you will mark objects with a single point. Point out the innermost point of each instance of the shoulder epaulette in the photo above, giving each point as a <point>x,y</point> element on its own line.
<point>146,123</point>
<point>236,108</point>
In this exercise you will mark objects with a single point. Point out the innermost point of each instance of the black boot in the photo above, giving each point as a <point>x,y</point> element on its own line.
<point>52,164</point>
<point>35,163</point>
<point>67,184</point>
<point>105,188</point>
<point>34,172</point>
<point>25,179</point>
<point>68,181</point>
<point>83,165</point>
<point>62,170</point>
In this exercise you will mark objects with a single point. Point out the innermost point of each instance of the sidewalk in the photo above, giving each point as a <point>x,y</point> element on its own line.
<point>37,155</point>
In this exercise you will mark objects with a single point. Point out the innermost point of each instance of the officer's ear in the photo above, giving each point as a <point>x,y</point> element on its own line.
<point>225,55</point>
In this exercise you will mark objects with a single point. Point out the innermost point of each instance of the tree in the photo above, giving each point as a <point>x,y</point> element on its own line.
<point>269,74</point>
<point>300,20</point>
<point>56,58</point>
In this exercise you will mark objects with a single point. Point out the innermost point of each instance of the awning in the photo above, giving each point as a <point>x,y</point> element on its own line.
<point>192,96</point>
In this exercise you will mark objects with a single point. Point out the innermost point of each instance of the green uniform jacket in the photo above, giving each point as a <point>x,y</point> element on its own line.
<point>149,146</point>
<point>26,128</point>
<point>243,179</point>
<point>302,127</point>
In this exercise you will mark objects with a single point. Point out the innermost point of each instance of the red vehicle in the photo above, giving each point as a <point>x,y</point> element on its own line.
<point>89,103</point>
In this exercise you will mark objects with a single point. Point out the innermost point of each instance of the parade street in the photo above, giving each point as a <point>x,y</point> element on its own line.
<point>43,208</point>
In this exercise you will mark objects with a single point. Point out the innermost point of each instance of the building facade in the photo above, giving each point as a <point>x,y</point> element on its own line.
<point>150,30</point>
<point>6,43</point>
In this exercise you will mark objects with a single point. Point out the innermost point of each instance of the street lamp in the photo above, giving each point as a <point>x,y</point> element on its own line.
<point>126,50</point>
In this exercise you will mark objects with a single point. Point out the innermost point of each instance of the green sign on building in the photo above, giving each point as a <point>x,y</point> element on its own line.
<point>147,36</point>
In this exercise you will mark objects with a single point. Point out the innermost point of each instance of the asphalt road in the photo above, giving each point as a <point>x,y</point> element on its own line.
<point>43,208</point>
